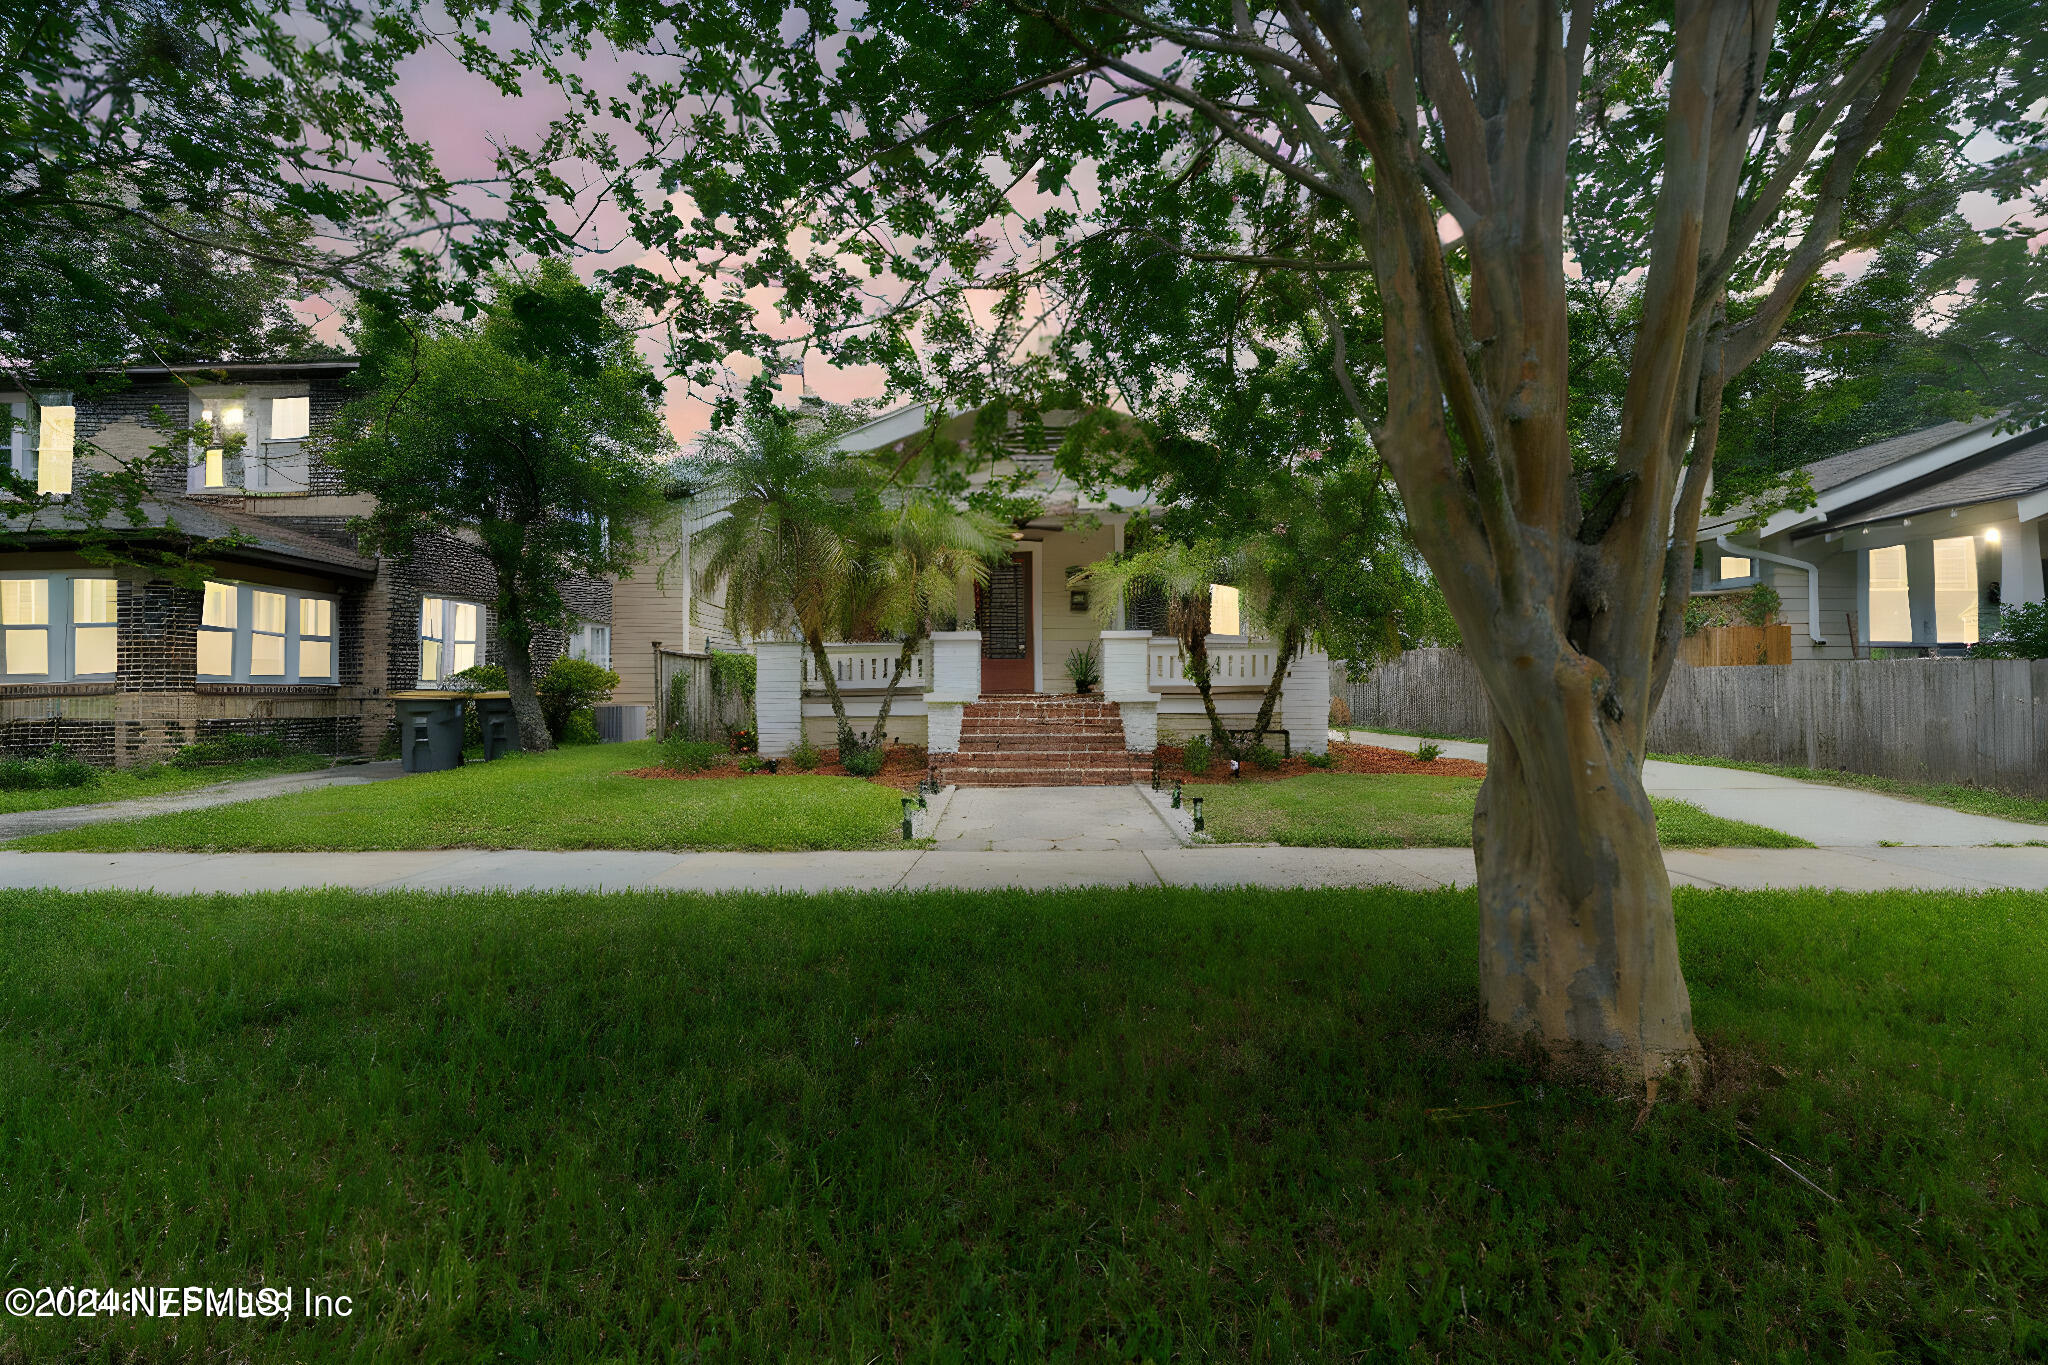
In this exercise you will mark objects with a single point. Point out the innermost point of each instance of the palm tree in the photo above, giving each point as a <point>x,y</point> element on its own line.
<point>930,548</point>
<point>784,547</point>
<point>1181,572</point>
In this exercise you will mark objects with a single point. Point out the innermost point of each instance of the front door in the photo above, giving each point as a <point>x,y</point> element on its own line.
<point>1002,608</point>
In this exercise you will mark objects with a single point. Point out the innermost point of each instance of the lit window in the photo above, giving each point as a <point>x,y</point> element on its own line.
<point>266,634</point>
<point>95,632</point>
<point>216,469</point>
<point>1223,612</point>
<point>25,616</point>
<point>261,634</point>
<point>1732,568</point>
<point>290,418</point>
<point>1891,605</point>
<point>1955,591</point>
<point>449,633</point>
<point>60,627</point>
<point>316,639</point>
<point>217,631</point>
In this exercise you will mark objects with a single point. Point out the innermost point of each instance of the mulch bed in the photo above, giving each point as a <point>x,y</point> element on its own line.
<point>902,766</point>
<point>1345,758</point>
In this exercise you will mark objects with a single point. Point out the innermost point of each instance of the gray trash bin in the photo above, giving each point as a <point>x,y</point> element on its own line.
<point>429,730</point>
<point>499,726</point>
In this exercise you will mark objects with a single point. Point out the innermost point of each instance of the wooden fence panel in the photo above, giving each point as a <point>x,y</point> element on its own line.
<point>1737,646</point>
<point>705,714</point>
<point>1978,721</point>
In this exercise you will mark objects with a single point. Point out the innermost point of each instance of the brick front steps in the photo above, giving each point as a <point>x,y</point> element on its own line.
<point>1042,741</point>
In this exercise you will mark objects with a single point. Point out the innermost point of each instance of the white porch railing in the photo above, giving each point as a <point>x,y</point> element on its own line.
<point>857,667</point>
<point>1230,666</point>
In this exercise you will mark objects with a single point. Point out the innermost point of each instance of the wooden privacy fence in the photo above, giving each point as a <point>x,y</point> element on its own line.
<point>1731,646</point>
<point>705,714</point>
<point>1978,721</point>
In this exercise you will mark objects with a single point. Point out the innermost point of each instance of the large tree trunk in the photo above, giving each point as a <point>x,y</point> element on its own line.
<point>1577,946</point>
<point>1198,669</point>
<point>516,644</point>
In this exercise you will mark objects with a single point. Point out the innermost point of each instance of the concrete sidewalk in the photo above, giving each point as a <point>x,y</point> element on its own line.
<point>1849,869</point>
<point>24,823</point>
<point>1833,817</point>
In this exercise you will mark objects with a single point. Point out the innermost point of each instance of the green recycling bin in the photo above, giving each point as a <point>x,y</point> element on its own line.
<point>499,726</point>
<point>429,730</point>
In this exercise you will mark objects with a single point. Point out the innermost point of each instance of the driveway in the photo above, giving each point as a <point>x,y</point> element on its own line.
<point>1833,817</point>
<point>24,823</point>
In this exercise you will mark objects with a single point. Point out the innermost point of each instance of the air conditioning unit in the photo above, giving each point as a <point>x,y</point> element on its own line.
<point>619,724</point>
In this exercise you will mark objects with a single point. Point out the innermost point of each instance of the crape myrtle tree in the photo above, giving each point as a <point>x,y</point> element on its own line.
<point>893,168</point>
<point>533,430</point>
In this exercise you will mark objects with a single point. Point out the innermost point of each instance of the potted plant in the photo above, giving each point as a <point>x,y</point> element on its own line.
<point>1084,666</point>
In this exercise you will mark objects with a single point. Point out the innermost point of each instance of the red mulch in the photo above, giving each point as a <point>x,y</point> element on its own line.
<point>902,766</point>
<point>1347,758</point>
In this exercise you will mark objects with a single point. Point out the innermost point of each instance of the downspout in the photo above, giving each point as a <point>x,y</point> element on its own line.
<point>1812,572</point>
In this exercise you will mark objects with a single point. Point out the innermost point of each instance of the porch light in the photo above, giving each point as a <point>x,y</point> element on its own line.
<point>231,417</point>
<point>1198,815</point>
<point>1991,536</point>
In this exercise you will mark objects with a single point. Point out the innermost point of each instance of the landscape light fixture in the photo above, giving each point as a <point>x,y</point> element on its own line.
<point>909,804</point>
<point>1176,793</point>
<point>1198,815</point>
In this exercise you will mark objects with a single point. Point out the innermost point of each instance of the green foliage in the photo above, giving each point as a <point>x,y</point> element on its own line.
<point>741,739</point>
<point>571,685</point>
<point>1759,606</point>
<point>581,728</point>
<point>804,756</point>
<point>1084,666</point>
<point>1698,616</point>
<point>1429,752</point>
<point>225,749</point>
<point>750,763</point>
<point>864,762</point>
<point>2022,633</point>
<point>732,673</point>
<point>1316,760</point>
<point>1264,757</point>
<point>481,678</point>
<point>1196,756</point>
<point>678,700</point>
<point>686,755</point>
<point>51,771</point>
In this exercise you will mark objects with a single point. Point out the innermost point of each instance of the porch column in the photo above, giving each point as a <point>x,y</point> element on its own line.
<point>2019,578</point>
<point>956,684</point>
<point>779,695</point>
<point>1124,682</point>
<point>1305,702</point>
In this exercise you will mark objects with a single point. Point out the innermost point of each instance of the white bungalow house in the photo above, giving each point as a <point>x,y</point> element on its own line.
<point>1001,688</point>
<point>1913,543</point>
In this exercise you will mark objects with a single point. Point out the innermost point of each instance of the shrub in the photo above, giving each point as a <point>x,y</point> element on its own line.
<point>1429,752</point>
<point>572,685</point>
<point>804,757</point>
<point>1317,760</point>
<point>732,674</point>
<point>690,755</point>
<point>2022,634</point>
<point>482,678</point>
<point>678,701</point>
<point>1265,758</point>
<point>1759,606</point>
<point>751,763</point>
<point>1697,617</point>
<point>582,728</point>
<point>1084,667</point>
<point>47,772</point>
<point>862,762</point>
<point>213,753</point>
<point>741,739</point>
<point>1196,756</point>
<point>1340,714</point>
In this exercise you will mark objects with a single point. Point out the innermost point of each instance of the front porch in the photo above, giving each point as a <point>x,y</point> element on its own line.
<point>1146,697</point>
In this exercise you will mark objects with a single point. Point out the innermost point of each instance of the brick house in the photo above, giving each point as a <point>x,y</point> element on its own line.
<point>295,634</point>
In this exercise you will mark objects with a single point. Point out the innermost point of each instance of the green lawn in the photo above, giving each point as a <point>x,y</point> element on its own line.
<point>574,797</point>
<point>1357,810</point>
<point>1164,1125</point>
<point>161,779</point>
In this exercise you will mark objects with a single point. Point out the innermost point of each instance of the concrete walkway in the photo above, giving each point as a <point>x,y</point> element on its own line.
<point>1833,817</point>
<point>24,823</point>
<point>1049,820</point>
<point>913,869</point>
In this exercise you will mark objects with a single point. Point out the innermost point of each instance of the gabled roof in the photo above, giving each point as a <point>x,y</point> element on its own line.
<point>1950,465</point>
<point>898,428</point>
